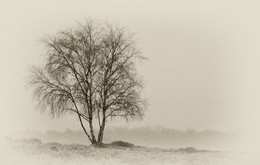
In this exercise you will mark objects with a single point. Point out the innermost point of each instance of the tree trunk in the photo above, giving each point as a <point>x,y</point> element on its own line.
<point>101,131</point>
<point>92,134</point>
<point>82,125</point>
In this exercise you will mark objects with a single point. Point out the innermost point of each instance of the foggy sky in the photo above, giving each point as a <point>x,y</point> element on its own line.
<point>203,70</point>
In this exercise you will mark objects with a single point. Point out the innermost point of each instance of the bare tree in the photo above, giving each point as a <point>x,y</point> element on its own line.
<point>90,71</point>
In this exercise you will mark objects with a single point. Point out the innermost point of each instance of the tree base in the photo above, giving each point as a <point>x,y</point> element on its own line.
<point>98,145</point>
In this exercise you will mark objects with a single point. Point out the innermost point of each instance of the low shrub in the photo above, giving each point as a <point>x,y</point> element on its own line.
<point>122,144</point>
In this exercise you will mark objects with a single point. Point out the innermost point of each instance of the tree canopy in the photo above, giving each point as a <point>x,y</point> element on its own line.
<point>90,70</point>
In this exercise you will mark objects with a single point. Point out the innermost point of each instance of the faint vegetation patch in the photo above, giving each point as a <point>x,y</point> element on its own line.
<point>190,150</point>
<point>54,146</point>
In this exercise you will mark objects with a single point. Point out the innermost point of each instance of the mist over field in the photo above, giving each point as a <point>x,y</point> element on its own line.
<point>156,137</point>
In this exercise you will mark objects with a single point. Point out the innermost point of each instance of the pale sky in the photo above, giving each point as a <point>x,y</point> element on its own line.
<point>203,70</point>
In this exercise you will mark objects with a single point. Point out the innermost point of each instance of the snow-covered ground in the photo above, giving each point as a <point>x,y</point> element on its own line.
<point>34,152</point>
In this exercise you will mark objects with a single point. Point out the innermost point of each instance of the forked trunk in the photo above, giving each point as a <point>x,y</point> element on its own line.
<point>92,134</point>
<point>101,131</point>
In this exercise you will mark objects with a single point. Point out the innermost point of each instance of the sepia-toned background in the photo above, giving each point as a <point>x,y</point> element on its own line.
<point>203,71</point>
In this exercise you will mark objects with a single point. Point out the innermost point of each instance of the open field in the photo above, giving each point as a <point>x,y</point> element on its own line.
<point>33,151</point>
